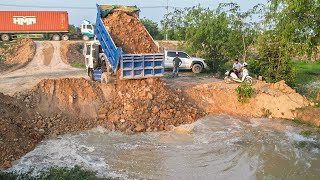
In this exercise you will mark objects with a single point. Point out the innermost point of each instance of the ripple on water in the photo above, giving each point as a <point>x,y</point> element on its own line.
<point>217,147</point>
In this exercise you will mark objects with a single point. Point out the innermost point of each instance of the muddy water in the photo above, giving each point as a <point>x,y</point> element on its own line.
<point>217,147</point>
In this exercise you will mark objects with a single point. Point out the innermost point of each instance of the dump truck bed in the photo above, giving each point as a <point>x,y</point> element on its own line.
<point>131,66</point>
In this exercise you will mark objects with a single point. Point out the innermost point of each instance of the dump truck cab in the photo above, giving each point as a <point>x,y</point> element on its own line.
<point>94,58</point>
<point>87,30</point>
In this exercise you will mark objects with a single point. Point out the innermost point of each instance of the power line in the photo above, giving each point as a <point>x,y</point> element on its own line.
<point>75,7</point>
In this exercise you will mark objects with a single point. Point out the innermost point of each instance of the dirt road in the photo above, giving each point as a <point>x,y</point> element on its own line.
<point>46,64</point>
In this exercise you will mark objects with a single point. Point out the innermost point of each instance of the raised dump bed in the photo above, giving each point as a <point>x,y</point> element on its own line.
<point>132,65</point>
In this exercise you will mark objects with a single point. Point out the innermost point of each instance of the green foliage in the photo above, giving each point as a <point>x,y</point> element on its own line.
<point>152,28</point>
<point>244,92</point>
<point>2,58</point>
<point>76,173</point>
<point>219,35</point>
<point>72,29</point>
<point>306,133</point>
<point>174,24</point>
<point>78,65</point>
<point>274,62</point>
<point>254,66</point>
<point>308,78</point>
<point>296,23</point>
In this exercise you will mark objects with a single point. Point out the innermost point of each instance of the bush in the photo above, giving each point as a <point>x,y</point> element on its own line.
<point>244,92</point>
<point>76,173</point>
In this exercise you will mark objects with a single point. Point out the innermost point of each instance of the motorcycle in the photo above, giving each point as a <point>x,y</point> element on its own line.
<point>243,77</point>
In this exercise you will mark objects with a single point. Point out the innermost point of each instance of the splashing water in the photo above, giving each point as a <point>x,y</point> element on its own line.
<point>216,147</point>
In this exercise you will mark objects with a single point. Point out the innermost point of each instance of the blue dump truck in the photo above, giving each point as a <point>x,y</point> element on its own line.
<point>103,58</point>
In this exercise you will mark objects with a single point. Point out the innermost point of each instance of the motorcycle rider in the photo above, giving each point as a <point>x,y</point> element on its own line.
<point>235,68</point>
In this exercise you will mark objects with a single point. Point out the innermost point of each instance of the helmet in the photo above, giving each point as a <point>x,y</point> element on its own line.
<point>245,64</point>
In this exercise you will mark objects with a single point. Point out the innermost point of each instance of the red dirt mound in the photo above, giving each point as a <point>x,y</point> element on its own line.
<point>128,32</point>
<point>17,135</point>
<point>148,105</point>
<point>21,53</point>
<point>18,55</point>
<point>77,97</point>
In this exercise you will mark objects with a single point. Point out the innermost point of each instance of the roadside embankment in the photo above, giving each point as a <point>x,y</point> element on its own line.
<point>17,55</point>
<point>270,100</point>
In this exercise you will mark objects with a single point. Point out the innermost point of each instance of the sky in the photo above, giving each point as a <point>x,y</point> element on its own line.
<point>76,16</point>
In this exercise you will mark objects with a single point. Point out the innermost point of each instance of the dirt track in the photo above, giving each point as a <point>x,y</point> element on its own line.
<point>39,68</point>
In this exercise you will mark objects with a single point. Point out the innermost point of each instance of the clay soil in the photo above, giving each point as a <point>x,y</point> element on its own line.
<point>148,105</point>
<point>17,55</point>
<point>71,52</point>
<point>23,126</point>
<point>128,32</point>
<point>66,105</point>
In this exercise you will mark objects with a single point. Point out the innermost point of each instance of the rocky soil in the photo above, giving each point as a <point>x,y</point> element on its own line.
<point>147,105</point>
<point>128,32</point>
<point>24,123</point>
<point>62,106</point>
<point>71,52</point>
<point>17,55</point>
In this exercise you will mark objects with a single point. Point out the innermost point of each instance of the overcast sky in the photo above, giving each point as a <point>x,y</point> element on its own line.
<point>156,14</point>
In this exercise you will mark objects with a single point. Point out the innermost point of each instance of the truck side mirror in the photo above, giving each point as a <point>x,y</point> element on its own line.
<point>81,46</point>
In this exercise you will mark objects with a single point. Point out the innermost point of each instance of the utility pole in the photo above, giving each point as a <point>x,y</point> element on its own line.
<point>167,7</point>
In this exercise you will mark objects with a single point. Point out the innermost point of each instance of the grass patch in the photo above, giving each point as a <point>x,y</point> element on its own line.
<point>306,133</point>
<point>78,65</point>
<point>76,173</point>
<point>307,73</point>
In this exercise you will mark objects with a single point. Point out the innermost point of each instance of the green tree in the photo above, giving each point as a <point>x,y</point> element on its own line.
<point>173,25</point>
<point>72,29</point>
<point>152,28</point>
<point>295,23</point>
<point>217,35</point>
<point>274,59</point>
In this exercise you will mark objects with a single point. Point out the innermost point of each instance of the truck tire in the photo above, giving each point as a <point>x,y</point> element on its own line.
<point>197,68</point>
<point>65,37</point>
<point>56,37</point>
<point>104,78</point>
<point>5,37</point>
<point>85,38</point>
<point>90,74</point>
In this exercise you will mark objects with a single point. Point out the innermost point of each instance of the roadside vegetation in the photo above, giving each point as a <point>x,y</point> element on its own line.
<point>288,30</point>
<point>307,78</point>
<point>79,65</point>
<point>76,173</point>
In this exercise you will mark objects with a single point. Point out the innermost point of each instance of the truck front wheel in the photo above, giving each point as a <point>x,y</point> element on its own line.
<point>65,37</point>
<point>85,38</point>
<point>91,75</point>
<point>56,37</point>
<point>5,37</point>
<point>197,68</point>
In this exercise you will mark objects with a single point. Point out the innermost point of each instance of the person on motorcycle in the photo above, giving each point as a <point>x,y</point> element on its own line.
<point>235,68</point>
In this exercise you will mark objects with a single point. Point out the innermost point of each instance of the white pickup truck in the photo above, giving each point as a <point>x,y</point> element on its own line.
<point>188,62</point>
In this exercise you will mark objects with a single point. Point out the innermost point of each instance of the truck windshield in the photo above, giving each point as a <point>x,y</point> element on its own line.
<point>89,27</point>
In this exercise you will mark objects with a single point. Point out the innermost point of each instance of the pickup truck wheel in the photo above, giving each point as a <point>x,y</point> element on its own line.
<point>56,37</point>
<point>104,78</point>
<point>85,38</point>
<point>65,37</point>
<point>197,68</point>
<point>5,37</point>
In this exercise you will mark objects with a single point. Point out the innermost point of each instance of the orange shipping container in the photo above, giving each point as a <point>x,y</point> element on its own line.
<point>33,21</point>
